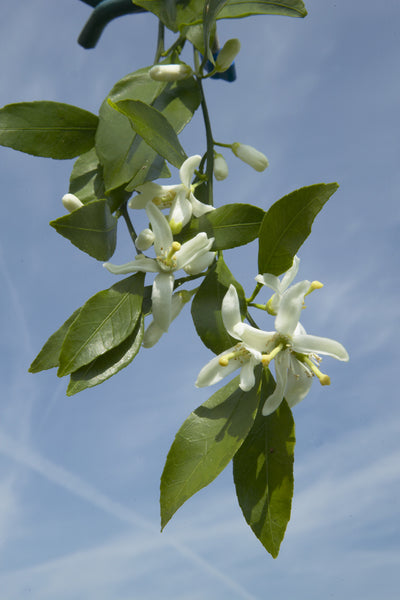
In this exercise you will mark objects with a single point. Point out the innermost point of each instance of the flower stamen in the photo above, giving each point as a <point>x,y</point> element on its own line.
<point>267,358</point>
<point>323,378</point>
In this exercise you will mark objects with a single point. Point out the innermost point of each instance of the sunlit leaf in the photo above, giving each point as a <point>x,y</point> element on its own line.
<point>104,322</point>
<point>206,307</point>
<point>263,473</point>
<point>48,357</point>
<point>287,224</point>
<point>108,364</point>
<point>243,8</point>
<point>91,228</point>
<point>153,128</point>
<point>205,444</point>
<point>50,129</point>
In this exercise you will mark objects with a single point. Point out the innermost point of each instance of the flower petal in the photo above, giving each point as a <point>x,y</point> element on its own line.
<point>161,298</point>
<point>181,211</point>
<point>192,248</point>
<point>141,263</point>
<point>247,377</point>
<point>281,374</point>
<point>290,274</point>
<point>290,308</point>
<point>153,332</point>
<point>271,281</point>
<point>198,264</point>
<point>147,191</point>
<point>313,344</point>
<point>213,372</point>
<point>253,338</point>
<point>299,382</point>
<point>188,168</point>
<point>231,311</point>
<point>199,208</point>
<point>162,230</point>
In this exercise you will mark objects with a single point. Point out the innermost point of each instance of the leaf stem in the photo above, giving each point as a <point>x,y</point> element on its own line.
<point>160,42</point>
<point>254,294</point>
<point>210,145</point>
<point>124,212</point>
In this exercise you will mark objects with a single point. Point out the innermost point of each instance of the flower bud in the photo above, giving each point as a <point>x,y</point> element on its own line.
<point>251,156</point>
<point>144,240</point>
<point>170,72</point>
<point>71,202</point>
<point>227,55</point>
<point>220,167</point>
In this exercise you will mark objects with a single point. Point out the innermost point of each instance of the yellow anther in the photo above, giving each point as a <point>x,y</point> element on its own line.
<point>266,358</point>
<point>223,361</point>
<point>323,378</point>
<point>315,285</point>
<point>174,248</point>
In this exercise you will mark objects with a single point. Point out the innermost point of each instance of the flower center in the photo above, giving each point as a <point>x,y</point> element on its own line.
<point>239,352</point>
<point>168,262</point>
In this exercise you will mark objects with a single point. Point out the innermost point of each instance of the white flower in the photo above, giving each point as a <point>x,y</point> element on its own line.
<point>170,72</point>
<point>145,239</point>
<point>227,54</point>
<point>251,156</point>
<point>153,332</point>
<point>179,197</point>
<point>193,257</point>
<point>71,202</point>
<point>295,353</point>
<point>220,167</point>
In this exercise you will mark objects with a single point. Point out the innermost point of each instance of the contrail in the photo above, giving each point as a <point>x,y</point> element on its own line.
<point>80,488</point>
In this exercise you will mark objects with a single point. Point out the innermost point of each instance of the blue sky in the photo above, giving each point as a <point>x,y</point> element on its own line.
<point>79,477</point>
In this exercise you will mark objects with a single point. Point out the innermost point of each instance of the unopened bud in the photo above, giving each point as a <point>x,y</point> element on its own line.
<point>71,202</point>
<point>170,72</point>
<point>227,55</point>
<point>220,167</point>
<point>251,156</point>
<point>144,240</point>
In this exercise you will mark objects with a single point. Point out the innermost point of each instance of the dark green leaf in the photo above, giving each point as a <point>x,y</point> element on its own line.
<point>263,473</point>
<point>49,129</point>
<point>105,321</point>
<point>108,364</point>
<point>206,307</point>
<point>153,128</point>
<point>205,444</point>
<point>48,357</point>
<point>86,179</point>
<point>175,14</point>
<point>287,224</point>
<point>243,8</point>
<point>91,228</point>
<point>231,225</point>
<point>210,13</point>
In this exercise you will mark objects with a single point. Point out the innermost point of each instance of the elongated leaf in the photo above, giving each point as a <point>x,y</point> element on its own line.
<point>263,474</point>
<point>244,8</point>
<point>49,129</point>
<point>210,13</point>
<point>206,307</point>
<point>91,228</point>
<point>190,13</point>
<point>108,364</point>
<point>48,357</point>
<point>205,444</point>
<point>105,321</point>
<point>287,224</point>
<point>231,225</point>
<point>153,128</point>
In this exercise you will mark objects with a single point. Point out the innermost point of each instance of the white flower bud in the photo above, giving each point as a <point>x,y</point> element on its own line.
<point>170,72</point>
<point>227,55</point>
<point>251,156</point>
<point>220,167</point>
<point>71,202</point>
<point>144,240</point>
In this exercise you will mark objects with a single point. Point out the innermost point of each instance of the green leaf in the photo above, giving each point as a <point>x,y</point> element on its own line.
<point>105,321</point>
<point>108,364</point>
<point>287,224</point>
<point>211,10</point>
<point>205,444</point>
<point>243,8</point>
<point>175,14</point>
<point>206,307</point>
<point>49,129</point>
<point>91,228</point>
<point>48,357</point>
<point>263,474</point>
<point>231,225</point>
<point>86,179</point>
<point>153,128</point>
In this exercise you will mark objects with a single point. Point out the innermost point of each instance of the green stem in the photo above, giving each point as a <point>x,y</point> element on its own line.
<point>124,212</point>
<point>251,320</point>
<point>210,145</point>
<point>223,145</point>
<point>254,294</point>
<point>160,42</point>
